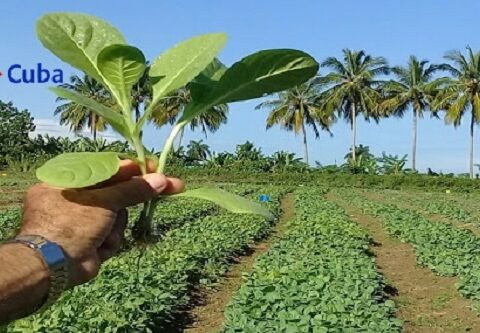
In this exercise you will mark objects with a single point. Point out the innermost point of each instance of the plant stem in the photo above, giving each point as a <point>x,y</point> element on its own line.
<point>143,227</point>
<point>140,154</point>
<point>162,161</point>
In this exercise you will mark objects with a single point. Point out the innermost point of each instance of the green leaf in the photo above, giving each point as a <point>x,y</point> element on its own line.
<point>182,63</point>
<point>77,39</point>
<point>264,72</point>
<point>256,75</point>
<point>213,71</point>
<point>114,119</point>
<point>227,200</point>
<point>78,170</point>
<point>206,81</point>
<point>121,66</point>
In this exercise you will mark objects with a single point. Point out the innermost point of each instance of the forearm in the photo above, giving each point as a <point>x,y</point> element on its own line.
<point>24,281</point>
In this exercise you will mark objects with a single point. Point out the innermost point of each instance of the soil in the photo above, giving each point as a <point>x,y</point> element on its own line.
<point>426,303</point>
<point>208,315</point>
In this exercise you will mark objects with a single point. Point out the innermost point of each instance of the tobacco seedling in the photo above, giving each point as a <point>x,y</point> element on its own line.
<point>99,50</point>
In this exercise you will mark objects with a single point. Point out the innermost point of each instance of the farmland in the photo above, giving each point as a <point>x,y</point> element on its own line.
<point>227,168</point>
<point>335,259</point>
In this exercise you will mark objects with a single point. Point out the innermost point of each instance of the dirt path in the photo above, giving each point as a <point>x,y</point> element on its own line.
<point>208,317</point>
<point>426,302</point>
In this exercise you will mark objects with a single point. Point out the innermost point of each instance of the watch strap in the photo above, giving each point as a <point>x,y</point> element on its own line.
<point>54,258</point>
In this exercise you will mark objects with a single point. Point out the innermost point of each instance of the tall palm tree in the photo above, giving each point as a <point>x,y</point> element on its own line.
<point>351,87</point>
<point>294,108</point>
<point>461,93</point>
<point>413,87</point>
<point>172,106</point>
<point>78,116</point>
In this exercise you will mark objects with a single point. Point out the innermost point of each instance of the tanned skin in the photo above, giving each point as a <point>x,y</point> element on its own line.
<point>88,224</point>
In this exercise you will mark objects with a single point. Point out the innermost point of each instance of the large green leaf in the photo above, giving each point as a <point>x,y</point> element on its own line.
<point>227,200</point>
<point>207,80</point>
<point>77,39</point>
<point>182,63</point>
<point>264,72</point>
<point>114,119</point>
<point>77,170</point>
<point>121,66</point>
<point>256,75</point>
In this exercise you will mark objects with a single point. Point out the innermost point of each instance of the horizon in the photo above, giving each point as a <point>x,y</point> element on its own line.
<point>278,28</point>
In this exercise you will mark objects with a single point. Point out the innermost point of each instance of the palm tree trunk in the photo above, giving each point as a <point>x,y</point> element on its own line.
<point>137,118</point>
<point>137,112</point>
<point>305,146</point>
<point>354,132</point>
<point>472,124</point>
<point>414,144</point>
<point>94,126</point>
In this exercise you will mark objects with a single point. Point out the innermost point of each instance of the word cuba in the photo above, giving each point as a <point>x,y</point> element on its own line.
<point>17,74</point>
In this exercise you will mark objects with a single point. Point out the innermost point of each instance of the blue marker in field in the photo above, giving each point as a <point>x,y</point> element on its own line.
<point>264,198</point>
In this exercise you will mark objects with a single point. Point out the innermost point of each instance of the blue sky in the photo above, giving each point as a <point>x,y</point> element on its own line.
<point>394,29</point>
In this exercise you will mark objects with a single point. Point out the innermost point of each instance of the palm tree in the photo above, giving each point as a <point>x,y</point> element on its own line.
<point>351,87</point>
<point>413,88</point>
<point>294,108</point>
<point>221,159</point>
<point>172,106</point>
<point>248,151</point>
<point>198,151</point>
<point>282,160</point>
<point>365,162</point>
<point>78,116</point>
<point>461,93</point>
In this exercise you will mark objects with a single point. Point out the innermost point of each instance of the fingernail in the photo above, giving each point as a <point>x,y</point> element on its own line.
<point>156,181</point>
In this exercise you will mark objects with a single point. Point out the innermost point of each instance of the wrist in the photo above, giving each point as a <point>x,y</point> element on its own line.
<point>25,285</point>
<point>54,261</point>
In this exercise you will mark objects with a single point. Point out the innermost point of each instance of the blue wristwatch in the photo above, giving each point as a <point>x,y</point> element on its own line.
<point>54,258</point>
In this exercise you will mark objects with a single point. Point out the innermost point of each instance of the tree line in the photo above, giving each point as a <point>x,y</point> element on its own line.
<point>357,84</point>
<point>24,152</point>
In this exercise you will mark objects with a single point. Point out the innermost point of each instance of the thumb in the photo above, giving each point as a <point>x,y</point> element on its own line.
<point>131,192</point>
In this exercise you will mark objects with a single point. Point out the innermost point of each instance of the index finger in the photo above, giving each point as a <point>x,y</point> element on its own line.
<point>128,169</point>
<point>135,190</point>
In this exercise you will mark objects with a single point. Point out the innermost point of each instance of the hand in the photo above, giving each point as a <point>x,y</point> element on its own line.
<point>89,223</point>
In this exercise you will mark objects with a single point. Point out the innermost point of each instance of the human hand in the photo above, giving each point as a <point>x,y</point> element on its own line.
<point>89,223</point>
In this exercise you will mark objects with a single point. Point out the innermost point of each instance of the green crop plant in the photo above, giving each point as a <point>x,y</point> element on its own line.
<point>98,49</point>
<point>318,277</point>
<point>132,295</point>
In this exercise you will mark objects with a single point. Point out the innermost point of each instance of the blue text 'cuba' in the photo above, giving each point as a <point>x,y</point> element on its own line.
<point>17,74</point>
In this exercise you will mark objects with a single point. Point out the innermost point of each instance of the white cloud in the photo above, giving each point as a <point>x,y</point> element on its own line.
<point>53,128</point>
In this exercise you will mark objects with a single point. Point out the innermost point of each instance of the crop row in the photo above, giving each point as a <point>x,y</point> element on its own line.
<point>442,247</point>
<point>170,213</point>
<point>449,205</point>
<point>318,278</point>
<point>140,290</point>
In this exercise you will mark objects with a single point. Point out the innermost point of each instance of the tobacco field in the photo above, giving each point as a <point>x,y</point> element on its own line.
<point>319,270</point>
